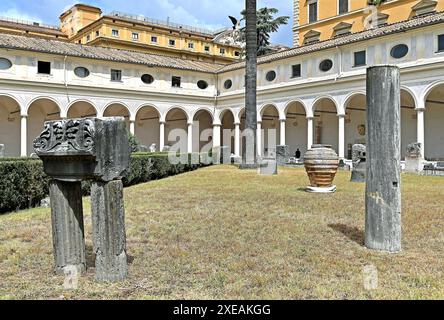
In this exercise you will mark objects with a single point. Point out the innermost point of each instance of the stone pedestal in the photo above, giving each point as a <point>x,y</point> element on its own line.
<point>383,187</point>
<point>282,154</point>
<point>67,226</point>
<point>2,150</point>
<point>414,162</point>
<point>267,166</point>
<point>109,237</point>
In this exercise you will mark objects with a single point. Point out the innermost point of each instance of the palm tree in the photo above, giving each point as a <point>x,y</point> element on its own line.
<point>249,148</point>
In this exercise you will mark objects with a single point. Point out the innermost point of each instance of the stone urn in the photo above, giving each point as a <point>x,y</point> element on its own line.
<point>321,163</point>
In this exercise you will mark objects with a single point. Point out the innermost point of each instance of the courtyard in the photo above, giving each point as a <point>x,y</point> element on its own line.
<point>224,233</point>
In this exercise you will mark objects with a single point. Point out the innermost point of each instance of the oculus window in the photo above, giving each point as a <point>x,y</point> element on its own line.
<point>399,51</point>
<point>81,72</point>
<point>147,79</point>
<point>202,84</point>
<point>270,76</point>
<point>326,65</point>
<point>228,84</point>
<point>5,64</point>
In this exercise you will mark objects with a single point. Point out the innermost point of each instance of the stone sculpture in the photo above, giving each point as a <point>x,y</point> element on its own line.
<point>359,163</point>
<point>321,163</point>
<point>153,148</point>
<point>282,154</point>
<point>414,161</point>
<point>97,150</point>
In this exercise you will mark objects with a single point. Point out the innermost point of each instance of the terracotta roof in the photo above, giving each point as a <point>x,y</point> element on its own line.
<point>31,28</point>
<point>413,23</point>
<point>101,53</point>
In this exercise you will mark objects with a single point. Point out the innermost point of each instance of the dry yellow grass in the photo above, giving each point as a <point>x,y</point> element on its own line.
<point>223,233</point>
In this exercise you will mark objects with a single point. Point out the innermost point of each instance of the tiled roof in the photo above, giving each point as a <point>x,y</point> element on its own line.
<point>101,53</point>
<point>414,23</point>
<point>31,28</point>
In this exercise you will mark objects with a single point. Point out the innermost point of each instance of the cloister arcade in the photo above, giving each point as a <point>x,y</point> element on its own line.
<point>298,123</point>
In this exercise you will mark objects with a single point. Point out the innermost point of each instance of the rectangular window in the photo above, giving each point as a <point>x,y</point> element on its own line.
<point>343,6</point>
<point>116,75</point>
<point>360,58</point>
<point>207,48</point>
<point>313,11</point>
<point>97,33</point>
<point>44,67</point>
<point>236,53</point>
<point>190,45</point>
<point>88,37</point>
<point>172,42</point>
<point>175,82</point>
<point>154,39</point>
<point>222,50</point>
<point>115,33</point>
<point>296,71</point>
<point>441,42</point>
<point>135,36</point>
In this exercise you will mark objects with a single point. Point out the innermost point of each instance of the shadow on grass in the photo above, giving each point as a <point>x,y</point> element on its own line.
<point>353,233</point>
<point>91,257</point>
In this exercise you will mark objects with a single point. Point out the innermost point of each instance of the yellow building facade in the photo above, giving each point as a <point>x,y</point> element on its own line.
<point>86,25</point>
<point>319,20</point>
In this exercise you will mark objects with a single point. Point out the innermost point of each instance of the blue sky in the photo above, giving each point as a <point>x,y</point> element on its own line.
<point>211,14</point>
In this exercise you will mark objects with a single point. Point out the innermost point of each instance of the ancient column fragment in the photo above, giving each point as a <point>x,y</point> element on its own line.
<point>383,188</point>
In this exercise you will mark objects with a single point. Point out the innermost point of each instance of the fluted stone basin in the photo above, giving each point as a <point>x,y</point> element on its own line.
<point>321,164</point>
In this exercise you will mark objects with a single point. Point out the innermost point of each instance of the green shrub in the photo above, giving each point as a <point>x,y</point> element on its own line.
<point>24,184</point>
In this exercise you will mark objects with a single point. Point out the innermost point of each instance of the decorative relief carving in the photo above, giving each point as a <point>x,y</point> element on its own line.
<point>65,136</point>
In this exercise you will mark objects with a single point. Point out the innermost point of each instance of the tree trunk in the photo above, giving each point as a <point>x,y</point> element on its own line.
<point>249,157</point>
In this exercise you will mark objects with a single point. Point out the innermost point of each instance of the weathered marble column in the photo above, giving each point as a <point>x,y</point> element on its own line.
<point>161,135</point>
<point>341,136</point>
<point>237,139</point>
<point>383,188</point>
<point>67,225</point>
<point>23,135</point>
<point>309,132</point>
<point>259,138</point>
<point>420,129</point>
<point>108,219</point>
<point>282,132</point>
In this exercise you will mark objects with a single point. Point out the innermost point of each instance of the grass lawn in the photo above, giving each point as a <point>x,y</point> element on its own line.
<point>223,233</point>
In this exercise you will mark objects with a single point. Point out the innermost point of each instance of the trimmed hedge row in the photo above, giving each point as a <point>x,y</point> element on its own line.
<point>23,184</point>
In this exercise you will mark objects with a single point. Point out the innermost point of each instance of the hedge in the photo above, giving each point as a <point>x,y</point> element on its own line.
<point>23,184</point>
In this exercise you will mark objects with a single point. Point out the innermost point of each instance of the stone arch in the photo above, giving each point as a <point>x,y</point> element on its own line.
<point>408,119</point>
<point>147,126</point>
<point>296,126</point>
<point>202,129</point>
<point>208,110</point>
<point>177,119</point>
<point>81,108</point>
<point>40,110</point>
<point>289,103</point>
<point>118,109</point>
<point>270,117</point>
<point>228,120</point>
<point>433,120</point>
<point>10,112</point>
<point>325,124</point>
<point>355,108</point>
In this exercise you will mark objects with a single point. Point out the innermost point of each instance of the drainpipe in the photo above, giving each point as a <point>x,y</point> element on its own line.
<point>340,64</point>
<point>65,78</point>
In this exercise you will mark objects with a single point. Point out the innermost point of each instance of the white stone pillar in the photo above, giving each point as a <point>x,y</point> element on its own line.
<point>216,135</point>
<point>161,135</point>
<point>282,132</point>
<point>237,139</point>
<point>259,138</point>
<point>23,136</point>
<point>341,136</point>
<point>190,137</point>
<point>309,132</point>
<point>133,127</point>
<point>420,129</point>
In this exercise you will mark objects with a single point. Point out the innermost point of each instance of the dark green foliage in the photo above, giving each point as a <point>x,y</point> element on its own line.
<point>23,183</point>
<point>134,142</point>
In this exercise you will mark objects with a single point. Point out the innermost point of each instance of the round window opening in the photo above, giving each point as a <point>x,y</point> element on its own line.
<point>81,72</point>
<point>147,79</point>
<point>228,84</point>
<point>399,51</point>
<point>326,65</point>
<point>202,84</point>
<point>5,64</point>
<point>271,75</point>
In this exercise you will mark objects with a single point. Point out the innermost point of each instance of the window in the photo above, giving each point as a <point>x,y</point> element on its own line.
<point>116,75</point>
<point>147,79</point>
<point>399,51</point>
<point>154,39</point>
<point>172,42</point>
<point>135,36</point>
<point>342,6</point>
<point>326,65</point>
<point>81,72</point>
<point>222,50</point>
<point>190,45</point>
<point>88,37</point>
<point>313,11</point>
<point>44,67</point>
<point>270,76</point>
<point>228,84</point>
<point>360,58</point>
<point>5,64</point>
<point>97,33</point>
<point>115,33</point>
<point>175,82</point>
<point>236,53</point>
<point>441,42</point>
<point>202,84</point>
<point>296,71</point>
<point>207,48</point>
